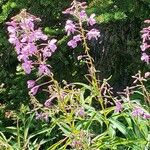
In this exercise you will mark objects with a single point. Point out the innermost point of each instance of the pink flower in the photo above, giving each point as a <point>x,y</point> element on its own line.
<point>146,116</point>
<point>23,57</point>
<point>27,24</point>
<point>147,21</point>
<point>91,20</point>
<point>145,58</point>
<point>72,43</point>
<point>94,33</point>
<point>50,48</point>
<point>30,45</point>
<point>43,69</point>
<point>29,49</point>
<point>146,34</point>
<point>52,45</point>
<point>38,34</point>
<point>77,38</point>
<point>24,38</point>
<point>32,48</point>
<point>30,83</point>
<point>68,11</point>
<point>147,74</point>
<point>34,90</point>
<point>118,107</point>
<point>11,29</point>
<point>18,47</point>
<point>48,103</point>
<point>70,27</point>
<point>144,46</point>
<point>13,39</point>
<point>80,112</point>
<point>83,15</point>
<point>137,112</point>
<point>12,23</point>
<point>46,52</point>
<point>27,65</point>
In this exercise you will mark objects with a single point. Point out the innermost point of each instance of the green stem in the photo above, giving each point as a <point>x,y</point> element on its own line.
<point>90,61</point>
<point>18,136</point>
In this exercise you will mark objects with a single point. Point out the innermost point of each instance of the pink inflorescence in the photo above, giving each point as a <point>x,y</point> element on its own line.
<point>32,46</point>
<point>138,112</point>
<point>77,10</point>
<point>118,107</point>
<point>145,43</point>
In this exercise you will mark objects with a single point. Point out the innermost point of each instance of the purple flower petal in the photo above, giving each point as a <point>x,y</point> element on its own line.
<point>91,20</point>
<point>137,112</point>
<point>145,58</point>
<point>83,15</point>
<point>146,116</point>
<point>43,69</point>
<point>48,103</point>
<point>30,83</point>
<point>93,34</point>
<point>70,27</point>
<point>118,107</point>
<point>77,38</point>
<point>52,45</point>
<point>27,66</point>
<point>72,43</point>
<point>34,90</point>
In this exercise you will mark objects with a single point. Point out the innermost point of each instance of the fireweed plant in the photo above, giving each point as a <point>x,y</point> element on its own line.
<point>86,116</point>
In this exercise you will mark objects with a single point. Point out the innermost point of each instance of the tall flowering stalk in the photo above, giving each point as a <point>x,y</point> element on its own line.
<point>32,46</point>
<point>76,30</point>
<point>145,47</point>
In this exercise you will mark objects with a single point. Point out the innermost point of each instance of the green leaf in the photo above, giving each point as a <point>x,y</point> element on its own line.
<point>54,146</point>
<point>120,126</point>
<point>65,128</point>
<point>49,129</point>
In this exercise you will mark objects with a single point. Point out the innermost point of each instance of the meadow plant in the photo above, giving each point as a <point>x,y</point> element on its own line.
<point>86,116</point>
